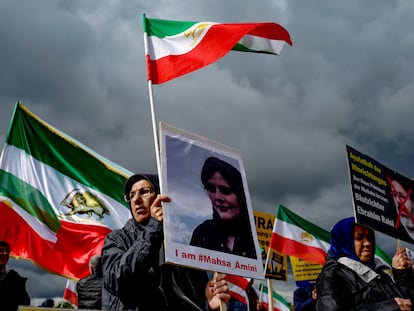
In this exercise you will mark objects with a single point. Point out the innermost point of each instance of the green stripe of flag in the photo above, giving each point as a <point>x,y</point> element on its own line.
<point>275,295</point>
<point>33,201</point>
<point>163,28</point>
<point>288,216</point>
<point>52,147</point>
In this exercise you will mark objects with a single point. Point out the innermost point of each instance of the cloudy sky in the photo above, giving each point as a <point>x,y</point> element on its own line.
<point>347,80</point>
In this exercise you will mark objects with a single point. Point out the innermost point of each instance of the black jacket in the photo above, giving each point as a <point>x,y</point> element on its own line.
<point>340,287</point>
<point>13,292</point>
<point>212,235</point>
<point>89,291</point>
<point>135,277</point>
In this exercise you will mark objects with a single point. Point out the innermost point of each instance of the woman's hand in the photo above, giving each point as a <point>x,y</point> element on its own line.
<point>400,259</point>
<point>404,304</point>
<point>217,291</point>
<point>156,207</point>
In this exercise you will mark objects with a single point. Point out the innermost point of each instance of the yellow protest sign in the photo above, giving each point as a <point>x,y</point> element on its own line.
<point>277,263</point>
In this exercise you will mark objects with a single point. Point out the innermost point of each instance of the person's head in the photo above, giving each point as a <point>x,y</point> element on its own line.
<point>401,197</point>
<point>48,303</point>
<point>140,191</point>
<point>4,253</point>
<point>224,186</point>
<point>352,240</point>
<point>95,264</point>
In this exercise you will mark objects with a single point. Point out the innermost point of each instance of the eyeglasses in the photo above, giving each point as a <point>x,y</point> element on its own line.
<point>223,189</point>
<point>143,193</point>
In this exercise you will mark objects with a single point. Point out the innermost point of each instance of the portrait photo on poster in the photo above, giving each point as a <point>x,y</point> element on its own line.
<point>209,223</point>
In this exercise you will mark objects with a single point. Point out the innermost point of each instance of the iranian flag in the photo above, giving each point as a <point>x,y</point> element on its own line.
<point>279,303</point>
<point>238,286</point>
<point>58,198</point>
<point>70,294</point>
<point>295,236</point>
<point>292,235</point>
<point>175,48</point>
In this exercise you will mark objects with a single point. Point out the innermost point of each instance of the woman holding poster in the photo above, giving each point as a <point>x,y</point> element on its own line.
<point>229,230</point>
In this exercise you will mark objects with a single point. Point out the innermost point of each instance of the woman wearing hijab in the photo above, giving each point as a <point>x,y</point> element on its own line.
<point>351,279</point>
<point>229,230</point>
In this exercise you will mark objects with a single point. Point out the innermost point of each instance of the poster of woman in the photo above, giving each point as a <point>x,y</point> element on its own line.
<point>209,224</point>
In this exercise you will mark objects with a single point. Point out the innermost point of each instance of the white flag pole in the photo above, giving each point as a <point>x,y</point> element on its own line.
<point>270,294</point>
<point>154,129</point>
<point>151,97</point>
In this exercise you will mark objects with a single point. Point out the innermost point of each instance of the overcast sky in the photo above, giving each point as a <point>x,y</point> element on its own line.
<point>347,80</point>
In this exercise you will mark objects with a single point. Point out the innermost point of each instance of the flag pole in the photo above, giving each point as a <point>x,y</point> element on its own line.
<point>270,294</point>
<point>151,97</point>
<point>154,129</point>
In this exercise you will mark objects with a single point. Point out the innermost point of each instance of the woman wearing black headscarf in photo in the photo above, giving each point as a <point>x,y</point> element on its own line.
<point>352,279</point>
<point>229,230</point>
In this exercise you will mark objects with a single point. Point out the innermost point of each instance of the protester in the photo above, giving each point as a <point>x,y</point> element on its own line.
<point>89,289</point>
<point>352,279</point>
<point>13,291</point>
<point>229,230</point>
<point>304,298</point>
<point>135,274</point>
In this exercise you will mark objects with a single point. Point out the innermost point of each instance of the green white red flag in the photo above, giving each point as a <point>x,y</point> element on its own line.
<point>279,303</point>
<point>70,294</point>
<point>175,48</point>
<point>58,198</point>
<point>292,235</point>
<point>295,236</point>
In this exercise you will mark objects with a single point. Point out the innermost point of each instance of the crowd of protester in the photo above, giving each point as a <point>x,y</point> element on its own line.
<point>130,273</point>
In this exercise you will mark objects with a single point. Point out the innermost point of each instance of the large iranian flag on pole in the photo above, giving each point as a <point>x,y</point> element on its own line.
<point>58,198</point>
<point>292,235</point>
<point>175,48</point>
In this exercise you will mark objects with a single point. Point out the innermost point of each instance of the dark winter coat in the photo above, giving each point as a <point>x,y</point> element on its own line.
<point>13,292</point>
<point>351,285</point>
<point>89,291</point>
<point>135,277</point>
<point>302,299</point>
<point>212,234</point>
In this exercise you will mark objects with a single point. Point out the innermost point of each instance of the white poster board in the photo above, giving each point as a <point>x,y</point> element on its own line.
<point>183,156</point>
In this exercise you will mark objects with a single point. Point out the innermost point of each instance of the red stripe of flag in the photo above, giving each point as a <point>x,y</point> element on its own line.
<point>66,256</point>
<point>288,246</point>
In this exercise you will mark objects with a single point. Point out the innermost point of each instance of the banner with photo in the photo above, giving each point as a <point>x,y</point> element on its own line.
<point>209,224</point>
<point>382,198</point>
<point>276,267</point>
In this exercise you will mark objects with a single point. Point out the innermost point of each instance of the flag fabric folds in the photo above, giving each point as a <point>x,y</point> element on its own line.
<point>279,303</point>
<point>238,286</point>
<point>292,235</point>
<point>175,48</point>
<point>58,198</point>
